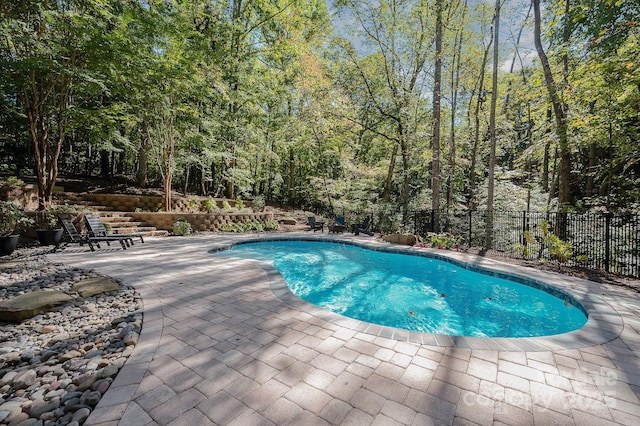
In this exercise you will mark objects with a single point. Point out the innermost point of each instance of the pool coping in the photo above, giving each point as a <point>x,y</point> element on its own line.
<point>603,322</point>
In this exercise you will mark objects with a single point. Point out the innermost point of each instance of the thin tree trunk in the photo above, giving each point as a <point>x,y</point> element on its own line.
<point>392,164</point>
<point>513,62</point>
<point>476,138</point>
<point>292,178</point>
<point>143,152</point>
<point>564,175</point>
<point>435,141</point>
<point>455,83</point>
<point>492,130</point>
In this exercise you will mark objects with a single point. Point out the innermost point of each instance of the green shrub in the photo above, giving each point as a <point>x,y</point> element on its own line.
<point>194,204</point>
<point>256,226</point>
<point>271,225</point>
<point>444,240</point>
<point>182,227</point>
<point>239,203</point>
<point>258,203</point>
<point>558,250</point>
<point>11,182</point>
<point>13,219</point>
<point>226,206</point>
<point>210,204</point>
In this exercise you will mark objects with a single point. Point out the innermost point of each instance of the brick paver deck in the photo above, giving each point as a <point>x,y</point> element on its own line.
<point>224,342</point>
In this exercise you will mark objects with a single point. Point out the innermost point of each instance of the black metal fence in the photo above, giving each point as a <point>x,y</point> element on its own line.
<point>603,241</point>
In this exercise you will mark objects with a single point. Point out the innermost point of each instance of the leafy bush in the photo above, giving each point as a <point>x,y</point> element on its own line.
<point>48,219</point>
<point>271,225</point>
<point>182,227</point>
<point>444,240</point>
<point>558,249</point>
<point>194,204</point>
<point>239,203</point>
<point>11,182</point>
<point>526,250</point>
<point>13,219</point>
<point>241,227</point>
<point>258,203</point>
<point>210,204</point>
<point>226,206</point>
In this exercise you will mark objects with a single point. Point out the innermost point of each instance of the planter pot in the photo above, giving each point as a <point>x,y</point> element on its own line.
<point>8,244</point>
<point>49,237</point>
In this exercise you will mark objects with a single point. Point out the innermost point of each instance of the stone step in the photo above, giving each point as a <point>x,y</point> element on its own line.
<point>118,221</point>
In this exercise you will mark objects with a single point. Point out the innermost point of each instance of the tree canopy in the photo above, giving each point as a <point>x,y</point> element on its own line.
<point>390,111</point>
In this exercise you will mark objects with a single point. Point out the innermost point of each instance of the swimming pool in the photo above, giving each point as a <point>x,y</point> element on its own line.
<point>414,292</point>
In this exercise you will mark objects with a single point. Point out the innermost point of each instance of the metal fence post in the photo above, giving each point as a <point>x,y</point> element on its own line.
<point>470,230</point>
<point>607,241</point>
<point>524,227</point>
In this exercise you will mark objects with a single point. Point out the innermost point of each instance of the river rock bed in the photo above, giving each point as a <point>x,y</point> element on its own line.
<point>55,367</point>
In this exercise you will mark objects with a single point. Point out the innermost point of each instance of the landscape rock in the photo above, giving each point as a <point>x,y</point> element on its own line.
<point>94,286</point>
<point>30,304</point>
<point>407,240</point>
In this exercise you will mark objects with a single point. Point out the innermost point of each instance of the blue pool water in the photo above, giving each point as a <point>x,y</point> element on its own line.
<point>413,292</point>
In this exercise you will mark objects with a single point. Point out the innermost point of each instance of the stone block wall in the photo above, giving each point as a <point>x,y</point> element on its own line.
<point>129,203</point>
<point>200,221</point>
<point>25,195</point>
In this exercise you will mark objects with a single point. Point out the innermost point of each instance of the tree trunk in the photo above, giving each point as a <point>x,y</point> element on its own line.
<point>143,152</point>
<point>435,141</point>
<point>476,138</point>
<point>564,175</point>
<point>292,178</point>
<point>488,244</point>
<point>392,164</point>
<point>455,83</point>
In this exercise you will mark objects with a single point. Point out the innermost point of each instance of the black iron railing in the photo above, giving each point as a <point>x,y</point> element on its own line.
<point>603,241</point>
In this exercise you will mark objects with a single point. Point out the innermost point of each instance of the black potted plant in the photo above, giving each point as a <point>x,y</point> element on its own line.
<point>48,227</point>
<point>13,220</point>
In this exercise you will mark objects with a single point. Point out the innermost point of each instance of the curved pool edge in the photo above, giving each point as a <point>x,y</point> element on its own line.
<point>603,322</point>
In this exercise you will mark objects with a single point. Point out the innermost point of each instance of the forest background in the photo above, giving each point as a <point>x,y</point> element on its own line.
<point>407,105</point>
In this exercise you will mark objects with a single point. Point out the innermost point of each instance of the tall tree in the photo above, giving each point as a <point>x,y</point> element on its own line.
<point>559,110</point>
<point>488,244</point>
<point>51,52</point>
<point>397,33</point>
<point>435,138</point>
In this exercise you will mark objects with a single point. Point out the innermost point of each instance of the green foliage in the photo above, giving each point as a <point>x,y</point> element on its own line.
<point>227,207</point>
<point>243,227</point>
<point>527,249</point>
<point>48,218</point>
<point>258,203</point>
<point>444,240</point>
<point>194,204</point>
<point>210,205</point>
<point>11,182</point>
<point>182,227</point>
<point>13,219</point>
<point>239,203</point>
<point>257,101</point>
<point>558,250</point>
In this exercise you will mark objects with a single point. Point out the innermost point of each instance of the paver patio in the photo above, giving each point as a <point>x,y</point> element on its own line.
<point>223,342</point>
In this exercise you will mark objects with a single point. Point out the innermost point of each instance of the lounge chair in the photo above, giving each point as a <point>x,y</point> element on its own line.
<point>73,236</point>
<point>339,225</point>
<point>364,227</point>
<point>97,229</point>
<point>315,224</point>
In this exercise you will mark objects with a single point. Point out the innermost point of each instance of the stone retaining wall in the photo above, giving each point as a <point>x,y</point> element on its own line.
<point>200,221</point>
<point>152,203</point>
<point>25,195</point>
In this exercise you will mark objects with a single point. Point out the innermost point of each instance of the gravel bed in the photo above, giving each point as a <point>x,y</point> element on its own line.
<point>55,367</point>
